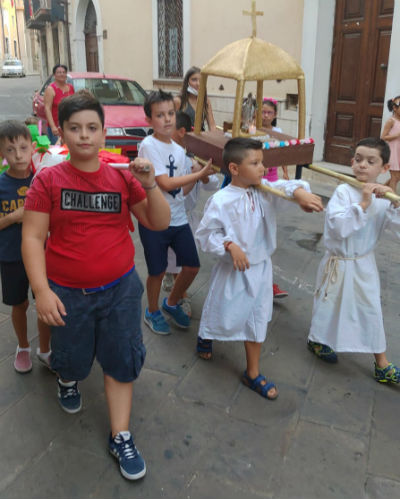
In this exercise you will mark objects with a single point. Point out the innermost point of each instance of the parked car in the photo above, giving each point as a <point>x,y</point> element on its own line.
<point>123,101</point>
<point>12,67</point>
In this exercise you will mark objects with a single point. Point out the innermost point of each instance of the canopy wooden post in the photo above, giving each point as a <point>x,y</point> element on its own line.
<point>237,113</point>
<point>259,98</point>
<point>200,103</point>
<point>302,107</point>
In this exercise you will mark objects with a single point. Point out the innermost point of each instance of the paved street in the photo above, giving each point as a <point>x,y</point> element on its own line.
<point>332,433</point>
<point>16,97</point>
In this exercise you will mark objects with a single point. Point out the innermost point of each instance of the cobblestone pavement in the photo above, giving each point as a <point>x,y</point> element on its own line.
<point>332,433</point>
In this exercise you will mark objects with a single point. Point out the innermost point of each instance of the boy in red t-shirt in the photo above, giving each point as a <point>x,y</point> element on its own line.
<point>85,282</point>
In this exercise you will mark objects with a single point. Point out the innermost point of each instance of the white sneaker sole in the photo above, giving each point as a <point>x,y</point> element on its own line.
<point>150,325</point>
<point>70,411</point>
<point>126,475</point>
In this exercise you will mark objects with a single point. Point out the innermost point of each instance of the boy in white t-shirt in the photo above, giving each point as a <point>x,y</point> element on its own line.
<point>211,183</point>
<point>169,160</point>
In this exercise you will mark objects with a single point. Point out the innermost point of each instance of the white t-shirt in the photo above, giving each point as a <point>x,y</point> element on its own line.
<point>168,159</point>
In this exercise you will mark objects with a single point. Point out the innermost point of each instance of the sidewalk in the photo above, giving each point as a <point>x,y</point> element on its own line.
<point>332,433</point>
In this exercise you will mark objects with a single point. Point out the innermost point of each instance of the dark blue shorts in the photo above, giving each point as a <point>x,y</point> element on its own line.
<point>105,324</point>
<point>156,244</point>
<point>14,283</point>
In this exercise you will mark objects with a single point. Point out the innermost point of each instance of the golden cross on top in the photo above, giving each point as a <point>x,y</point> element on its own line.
<point>254,13</point>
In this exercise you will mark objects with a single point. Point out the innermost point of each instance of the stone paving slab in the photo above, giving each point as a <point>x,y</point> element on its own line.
<point>332,433</point>
<point>381,488</point>
<point>324,462</point>
<point>338,399</point>
<point>384,448</point>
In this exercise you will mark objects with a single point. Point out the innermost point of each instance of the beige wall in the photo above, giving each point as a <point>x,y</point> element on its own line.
<point>281,25</point>
<point>128,48</point>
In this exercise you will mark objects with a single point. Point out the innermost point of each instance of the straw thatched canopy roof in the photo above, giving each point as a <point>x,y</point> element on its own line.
<point>252,59</point>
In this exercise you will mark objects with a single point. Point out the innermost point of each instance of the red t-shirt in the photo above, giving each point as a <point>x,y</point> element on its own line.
<point>58,97</point>
<point>89,243</point>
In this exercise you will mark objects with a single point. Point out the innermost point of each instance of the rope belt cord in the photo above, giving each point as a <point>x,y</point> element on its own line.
<point>331,269</point>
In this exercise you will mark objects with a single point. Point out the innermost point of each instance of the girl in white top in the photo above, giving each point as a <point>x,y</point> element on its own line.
<point>391,133</point>
<point>347,314</point>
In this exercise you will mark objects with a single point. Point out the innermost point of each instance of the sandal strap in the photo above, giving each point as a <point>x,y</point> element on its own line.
<point>256,384</point>
<point>203,345</point>
<point>389,373</point>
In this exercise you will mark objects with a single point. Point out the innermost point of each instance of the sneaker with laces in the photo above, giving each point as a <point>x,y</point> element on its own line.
<point>22,361</point>
<point>279,293</point>
<point>177,315</point>
<point>168,282</point>
<point>156,322</point>
<point>131,463</point>
<point>69,396</point>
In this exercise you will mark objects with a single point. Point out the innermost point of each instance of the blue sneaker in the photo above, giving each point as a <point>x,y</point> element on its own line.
<point>177,315</point>
<point>156,322</point>
<point>69,397</point>
<point>131,463</point>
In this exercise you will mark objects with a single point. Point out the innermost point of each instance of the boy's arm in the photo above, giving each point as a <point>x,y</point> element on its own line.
<point>154,211</point>
<point>196,167</point>
<point>308,201</point>
<point>15,217</point>
<point>167,183</point>
<point>300,191</point>
<point>34,233</point>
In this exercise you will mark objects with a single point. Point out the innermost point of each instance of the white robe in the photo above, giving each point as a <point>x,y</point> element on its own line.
<point>238,306</point>
<point>347,313</point>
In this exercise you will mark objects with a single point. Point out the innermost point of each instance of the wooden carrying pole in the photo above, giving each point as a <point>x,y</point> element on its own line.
<point>259,98</point>
<point>301,86</point>
<point>261,187</point>
<point>349,180</point>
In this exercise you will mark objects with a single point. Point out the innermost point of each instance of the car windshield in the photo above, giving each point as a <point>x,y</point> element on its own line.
<point>12,63</point>
<point>112,92</point>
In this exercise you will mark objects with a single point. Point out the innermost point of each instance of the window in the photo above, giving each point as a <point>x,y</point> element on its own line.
<point>170,38</point>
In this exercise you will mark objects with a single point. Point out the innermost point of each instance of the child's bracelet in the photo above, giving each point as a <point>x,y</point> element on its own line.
<point>150,188</point>
<point>227,245</point>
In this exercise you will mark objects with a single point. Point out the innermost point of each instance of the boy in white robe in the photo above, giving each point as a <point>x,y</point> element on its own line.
<point>239,227</point>
<point>347,314</point>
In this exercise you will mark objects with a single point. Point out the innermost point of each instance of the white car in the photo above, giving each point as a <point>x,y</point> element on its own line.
<point>12,67</point>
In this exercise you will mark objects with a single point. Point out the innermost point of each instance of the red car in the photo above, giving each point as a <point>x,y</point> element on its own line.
<point>122,100</point>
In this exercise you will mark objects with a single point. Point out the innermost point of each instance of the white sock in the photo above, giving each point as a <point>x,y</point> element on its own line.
<point>19,349</point>
<point>43,355</point>
<point>68,384</point>
<point>126,435</point>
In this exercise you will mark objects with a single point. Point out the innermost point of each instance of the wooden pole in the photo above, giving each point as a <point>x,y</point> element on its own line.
<point>200,103</point>
<point>259,98</point>
<point>261,187</point>
<point>237,114</point>
<point>302,107</point>
<point>349,180</point>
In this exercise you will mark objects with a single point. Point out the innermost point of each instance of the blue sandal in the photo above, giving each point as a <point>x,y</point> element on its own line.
<point>256,385</point>
<point>204,348</point>
<point>388,374</point>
